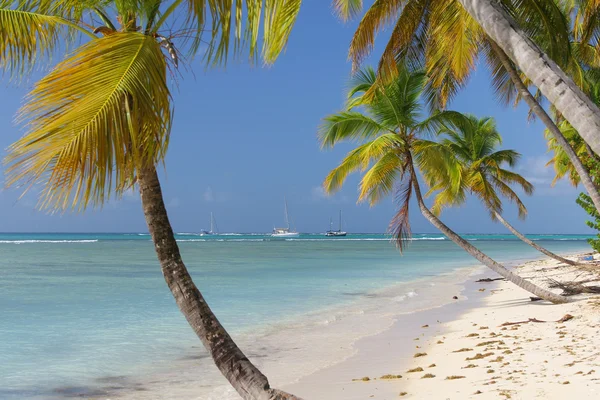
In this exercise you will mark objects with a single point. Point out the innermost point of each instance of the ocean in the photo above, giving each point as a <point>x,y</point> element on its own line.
<point>89,315</point>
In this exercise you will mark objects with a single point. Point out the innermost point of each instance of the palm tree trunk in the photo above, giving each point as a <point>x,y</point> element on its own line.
<point>476,253</point>
<point>558,88</point>
<point>582,171</point>
<point>247,380</point>
<point>532,243</point>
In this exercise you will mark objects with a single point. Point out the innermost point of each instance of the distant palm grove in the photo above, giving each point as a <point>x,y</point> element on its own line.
<point>98,123</point>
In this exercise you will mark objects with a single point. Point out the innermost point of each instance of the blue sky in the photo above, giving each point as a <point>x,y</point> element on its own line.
<point>245,136</point>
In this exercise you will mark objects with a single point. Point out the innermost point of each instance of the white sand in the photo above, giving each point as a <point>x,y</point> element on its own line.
<point>529,361</point>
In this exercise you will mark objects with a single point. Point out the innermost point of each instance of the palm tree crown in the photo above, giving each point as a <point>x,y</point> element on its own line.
<point>105,111</point>
<point>469,147</point>
<point>388,125</point>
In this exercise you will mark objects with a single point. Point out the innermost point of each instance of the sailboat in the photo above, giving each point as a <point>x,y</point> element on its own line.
<point>285,232</point>
<point>339,232</point>
<point>213,227</point>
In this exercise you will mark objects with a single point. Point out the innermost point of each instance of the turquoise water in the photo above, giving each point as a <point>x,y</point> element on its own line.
<point>77,308</point>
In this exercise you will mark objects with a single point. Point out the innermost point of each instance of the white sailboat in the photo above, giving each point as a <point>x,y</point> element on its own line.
<point>285,232</point>
<point>339,232</point>
<point>213,227</point>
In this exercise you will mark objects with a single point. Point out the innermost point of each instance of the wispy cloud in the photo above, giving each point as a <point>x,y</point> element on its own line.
<point>173,203</point>
<point>317,194</point>
<point>212,196</point>
<point>534,169</point>
<point>209,195</point>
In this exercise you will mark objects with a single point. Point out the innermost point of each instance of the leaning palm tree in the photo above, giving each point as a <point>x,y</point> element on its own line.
<point>471,144</point>
<point>560,160</point>
<point>442,37</point>
<point>389,126</point>
<point>99,121</point>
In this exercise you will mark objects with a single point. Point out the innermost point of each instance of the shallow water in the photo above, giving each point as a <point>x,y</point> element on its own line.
<point>90,314</point>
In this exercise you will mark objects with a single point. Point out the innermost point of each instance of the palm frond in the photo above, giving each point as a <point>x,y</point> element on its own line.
<point>226,24</point>
<point>407,34</point>
<point>351,125</point>
<point>26,36</point>
<point>97,118</point>
<point>378,181</point>
<point>510,177</point>
<point>360,159</point>
<point>377,16</point>
<point>440,166</point>
<point>346,9</point>
<point>400,224</point>
<point>455,40</point>
<point>361,83</point>
<point>544,22</point>
<point>503,86</point>
<point>511,196</point>
<point>280,16</point>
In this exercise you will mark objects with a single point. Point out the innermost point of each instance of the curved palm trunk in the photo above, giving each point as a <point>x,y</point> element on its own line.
<point>247,380</point>
<point>532,243</point>
<point>582,171</point>
<point>558,88</point>
<point>477,254</point>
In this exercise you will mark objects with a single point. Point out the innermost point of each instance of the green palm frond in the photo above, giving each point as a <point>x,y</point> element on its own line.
<point>27,35</point>
<point>502,84</point>
<point>560,160</point>
<point>347,9</point>
<point>455,40</point>
<point>378,181</point>
<point>407,42</point>
<point>545,22</point>
<point>464,160</point>
<point>400,224</point>
<point>360,159</point>
<point>436,161</point>
<point>237,24</point>
<point>97,118</point>
<point>280,16</point>
<point>359,85</point>
<point>377,16</point>
<point>349,126</point>
<point>481,186</point>
<point>510,177</point>
<point>511,195</point>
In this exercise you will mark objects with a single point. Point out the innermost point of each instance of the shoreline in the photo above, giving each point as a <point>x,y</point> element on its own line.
<point>371,358</point>
<point>293,352</point>
<point>449,334</point>
<point>317,340</point>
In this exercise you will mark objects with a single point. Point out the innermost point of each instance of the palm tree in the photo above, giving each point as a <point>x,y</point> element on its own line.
<point>100,121</point>
<point>561,161</point>
<point>470,143</point>
<point>543,72</point>
<point>387,121</point>
<point>443,38</point>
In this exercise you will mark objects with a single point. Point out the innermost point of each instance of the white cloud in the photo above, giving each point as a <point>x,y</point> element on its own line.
<point>173,203</point>
<point>209,195</point>
<point>534,169</point>
<point>212,196</point>
<point>317,193</point>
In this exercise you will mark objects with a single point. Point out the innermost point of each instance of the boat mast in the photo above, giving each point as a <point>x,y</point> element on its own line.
<point>340,221</point>
<point>287,219</point>
<point>212,223</point>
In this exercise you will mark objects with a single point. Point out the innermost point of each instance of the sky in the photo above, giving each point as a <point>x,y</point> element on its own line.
<point>245,136</point>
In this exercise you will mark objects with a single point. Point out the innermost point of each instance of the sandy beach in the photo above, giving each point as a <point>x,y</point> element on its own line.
<point>462,350</point>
